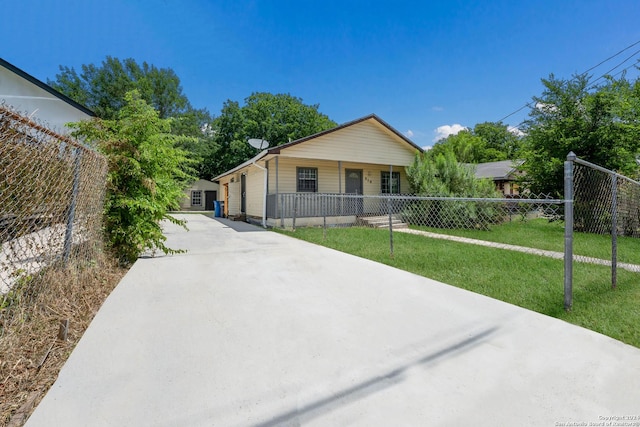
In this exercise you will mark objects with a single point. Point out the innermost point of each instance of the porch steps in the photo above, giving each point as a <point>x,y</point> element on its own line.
<point>381,221</point>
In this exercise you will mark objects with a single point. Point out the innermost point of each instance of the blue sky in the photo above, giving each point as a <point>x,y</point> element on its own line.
<point>419,65</point>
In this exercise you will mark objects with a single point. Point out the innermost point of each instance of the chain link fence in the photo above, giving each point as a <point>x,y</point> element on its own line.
<point>605,202</point>
<point>291,210</point>
<point>425,215</point>
<point>52,192</point>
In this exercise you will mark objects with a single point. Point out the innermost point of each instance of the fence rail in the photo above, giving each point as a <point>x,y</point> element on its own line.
<point>440,212</point>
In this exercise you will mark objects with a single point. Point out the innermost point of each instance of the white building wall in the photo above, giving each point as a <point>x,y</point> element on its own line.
<point>255,191</point>
<point>36,103</point>
<point>365,142</point>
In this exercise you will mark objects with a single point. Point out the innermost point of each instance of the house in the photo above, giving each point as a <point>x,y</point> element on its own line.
<point>504,174</point>
<point>199,196</point>
<point>362,157</point>
<point>32,98</point>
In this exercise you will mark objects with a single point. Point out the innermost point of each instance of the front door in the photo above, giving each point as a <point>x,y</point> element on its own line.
<point>243,193</point>
<point>353,185</point>
<point>353,181</point>
<point>209,197</point>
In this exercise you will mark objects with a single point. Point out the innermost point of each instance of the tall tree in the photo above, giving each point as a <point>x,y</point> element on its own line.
<point>465,146</point>
<point>276,118</point>
<point>102,88</point>
<point>486,142</point>
<point>281,118</point>
<point>501,142</point>
<point>147,173</point>
<point>597,122</point>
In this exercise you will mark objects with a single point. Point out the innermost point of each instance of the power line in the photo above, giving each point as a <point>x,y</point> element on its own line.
<point>613,56</point>
<point>528,104</point>
<point>608,72</point>
<point>602,76</point>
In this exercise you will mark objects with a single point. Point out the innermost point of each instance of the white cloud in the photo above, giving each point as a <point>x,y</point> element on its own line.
<point>437,108</point>
<point>546,108</point>
<point>446,130</point>
<point>514,130</point>
<point>408,133</point>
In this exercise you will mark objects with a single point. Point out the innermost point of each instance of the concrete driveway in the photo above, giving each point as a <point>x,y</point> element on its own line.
<point>252,328</point>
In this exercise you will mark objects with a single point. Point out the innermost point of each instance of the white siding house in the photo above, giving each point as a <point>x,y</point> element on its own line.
<point>365,156</point>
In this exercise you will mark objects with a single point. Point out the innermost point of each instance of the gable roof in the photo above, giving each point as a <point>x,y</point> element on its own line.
<point>501,170</point>
<point>276,150</point>
<point>279,148</point>
<point>45,87</point>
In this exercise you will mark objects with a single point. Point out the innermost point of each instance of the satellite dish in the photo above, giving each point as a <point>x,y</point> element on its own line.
<point>258,143</point>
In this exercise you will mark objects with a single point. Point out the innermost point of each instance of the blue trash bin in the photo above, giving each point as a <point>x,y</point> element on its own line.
<point>217,209</point>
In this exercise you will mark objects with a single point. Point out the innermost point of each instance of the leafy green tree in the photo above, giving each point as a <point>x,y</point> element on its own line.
<point>230,138</point>
<point>276,118</point>
<point>465,146</point>
<point>147,175</point>
<point>443,176</point>
<point>282,118</point>
<point>486,142</point>
<point>599,123</point>
<point>103,88</point>
<point>501,143</point>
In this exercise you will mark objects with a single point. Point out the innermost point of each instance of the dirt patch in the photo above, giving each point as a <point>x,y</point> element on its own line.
<point>33,346</point>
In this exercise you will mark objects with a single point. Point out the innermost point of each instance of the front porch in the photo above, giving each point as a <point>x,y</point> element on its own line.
<point>333,209</point>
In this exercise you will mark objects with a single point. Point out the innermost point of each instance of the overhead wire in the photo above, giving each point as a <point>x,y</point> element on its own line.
<point>529,104</point>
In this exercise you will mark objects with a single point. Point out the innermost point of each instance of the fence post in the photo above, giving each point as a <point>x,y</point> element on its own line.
<point>568,231</point>
<point>324,217</point>
<point>71,213</point>
<point>614,230</point>
<point>281,196</point>
<point>295,211</point>
<point>390,227</point>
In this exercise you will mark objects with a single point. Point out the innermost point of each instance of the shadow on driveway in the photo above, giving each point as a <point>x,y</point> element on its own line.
<point>374,385</point>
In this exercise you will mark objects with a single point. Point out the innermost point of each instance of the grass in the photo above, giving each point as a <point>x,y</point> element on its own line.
<point>526,280</point>
<point>542,234</point>
<point>31,355</point>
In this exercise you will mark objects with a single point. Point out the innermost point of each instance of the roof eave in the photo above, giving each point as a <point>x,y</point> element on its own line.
<point>242,165</point>
<point>46,87</point>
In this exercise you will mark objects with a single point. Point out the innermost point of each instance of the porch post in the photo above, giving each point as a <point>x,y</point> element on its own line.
<point>276,201</point>
<point>340,185</point>
<point>389,207</point>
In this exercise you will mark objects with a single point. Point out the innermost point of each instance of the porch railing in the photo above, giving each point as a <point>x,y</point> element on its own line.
<point>309,205</point>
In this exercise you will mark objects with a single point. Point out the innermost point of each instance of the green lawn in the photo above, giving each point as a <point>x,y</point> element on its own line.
<point>542,234</point>
<point>529,281</point>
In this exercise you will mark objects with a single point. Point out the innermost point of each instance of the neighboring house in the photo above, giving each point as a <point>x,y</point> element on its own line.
<point>200,196</point>
<point>30,97</point>
<point>504,174</point>
<point>364,157</point>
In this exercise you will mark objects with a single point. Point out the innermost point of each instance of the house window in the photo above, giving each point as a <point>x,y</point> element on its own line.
<point>307,180</point>
<point>390,186</point>
<point>196,198</point>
